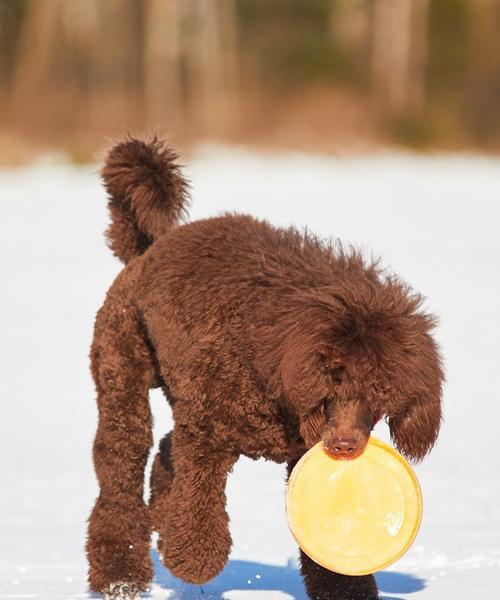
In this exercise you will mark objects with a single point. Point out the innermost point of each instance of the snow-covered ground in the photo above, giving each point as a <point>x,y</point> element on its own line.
<point>436,221</point>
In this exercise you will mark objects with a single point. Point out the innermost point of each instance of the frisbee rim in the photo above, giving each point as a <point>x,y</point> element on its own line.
<point>395,454</point>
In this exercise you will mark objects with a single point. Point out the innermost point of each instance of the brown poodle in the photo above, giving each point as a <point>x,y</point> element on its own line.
<point>265,341</point>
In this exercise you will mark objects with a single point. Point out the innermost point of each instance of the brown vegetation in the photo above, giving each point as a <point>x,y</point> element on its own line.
<point>324,74</point>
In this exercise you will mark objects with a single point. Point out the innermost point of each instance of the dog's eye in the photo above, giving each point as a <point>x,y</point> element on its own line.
<point>321,406</point>
<point>327,407</point>
<point>336,373</point>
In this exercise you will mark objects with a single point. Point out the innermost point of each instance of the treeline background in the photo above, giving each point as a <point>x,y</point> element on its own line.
<point>322,74</point>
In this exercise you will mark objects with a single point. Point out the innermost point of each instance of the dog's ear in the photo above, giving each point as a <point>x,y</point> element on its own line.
<point>312,425</point>
<point>415,425</point>
<point>414,430</point>
<point>305,383</point>
<point>303,373</point>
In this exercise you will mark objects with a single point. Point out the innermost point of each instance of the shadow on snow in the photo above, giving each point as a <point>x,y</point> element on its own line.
<point>248,576</point>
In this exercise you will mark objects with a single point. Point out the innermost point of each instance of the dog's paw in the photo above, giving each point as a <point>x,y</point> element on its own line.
<point>121,591</point>
<point>182,558</point>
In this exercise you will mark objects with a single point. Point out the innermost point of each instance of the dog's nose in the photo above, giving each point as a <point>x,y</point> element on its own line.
<point>343,447</point>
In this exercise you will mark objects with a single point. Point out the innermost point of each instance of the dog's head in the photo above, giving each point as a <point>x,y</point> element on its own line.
<point>342,371</point>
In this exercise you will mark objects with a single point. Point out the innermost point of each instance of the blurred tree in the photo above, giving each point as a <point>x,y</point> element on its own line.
<point>11,20</point>
<point>163,73</point>
<point>79,69</point>
<point>191,59</point>
<point>69,53</point>
<point>399,54</point>
<point>211,59</point>
<point>481,104</point>
<point>37,50</point>
<point>349,20</point>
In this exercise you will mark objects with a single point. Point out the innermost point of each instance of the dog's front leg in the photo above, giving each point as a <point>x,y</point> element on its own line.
<point>323,584</point>
<point>119,532</point>
<point>191,517</point>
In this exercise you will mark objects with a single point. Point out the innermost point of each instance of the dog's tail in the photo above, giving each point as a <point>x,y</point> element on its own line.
<point>147,195</point>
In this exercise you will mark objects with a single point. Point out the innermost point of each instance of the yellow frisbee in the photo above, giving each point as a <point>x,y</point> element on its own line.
<point>354,517</point>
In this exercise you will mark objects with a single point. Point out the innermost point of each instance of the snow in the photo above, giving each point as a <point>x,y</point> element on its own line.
<point>434,220</point>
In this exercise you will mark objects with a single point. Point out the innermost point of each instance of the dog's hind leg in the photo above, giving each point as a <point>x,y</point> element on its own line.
<point>160,482</point>
<point>119,532</point>
<point>189,505</point>
<point>322,584</point>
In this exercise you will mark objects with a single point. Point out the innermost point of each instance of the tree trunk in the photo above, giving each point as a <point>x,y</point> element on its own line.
<point>38,45</point>
<point>162,63</point>
<point>399,54</point>
<point>212,61</point>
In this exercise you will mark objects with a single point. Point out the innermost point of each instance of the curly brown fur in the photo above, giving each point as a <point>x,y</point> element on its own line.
<point>147,195</point>
<point>267,340</point>
<point>119,525</point>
